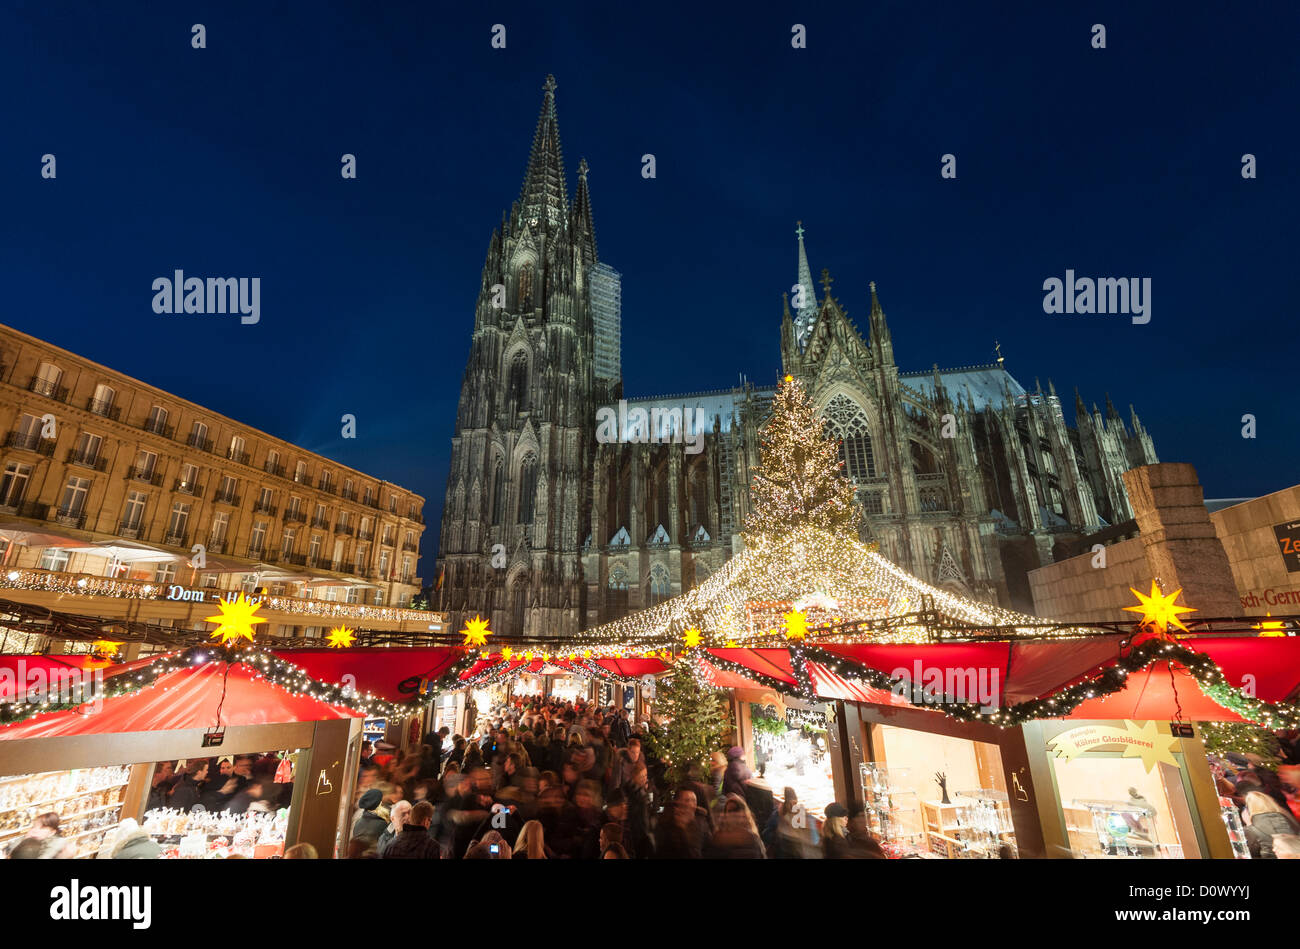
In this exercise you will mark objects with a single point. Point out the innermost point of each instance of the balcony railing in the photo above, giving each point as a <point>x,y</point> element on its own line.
<point>409,547</point>
<point>322,522</point>
<point>264,507</point>
<point>320,563</point>
<point>372,502</point>
<point>202,444</point>
<point>177,540</point>
<point>277,470</point>
<point>324,484</point>
<point>365,535</point>
<point>299,560</point>
<point>30,509</point>
<point>104,408</point>
<point>303,478</point>
<point>91,459</point>
<point>216,546</point>
<point>344,529</point>
<point>256,553</point>
<point>348,494</point>
<point>30,441</point>
<point>237,456</point>
<point>413,516</point>
<point>147,475</point>
<point>294,516</point>
<point>70,517</point>
<point>188,487</point>
<point>158,427</point>
<point>226,497</point>
<point>51,390</point>
<point>129,532</point>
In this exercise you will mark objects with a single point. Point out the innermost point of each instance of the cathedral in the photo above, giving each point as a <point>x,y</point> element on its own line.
<point>964,477</point>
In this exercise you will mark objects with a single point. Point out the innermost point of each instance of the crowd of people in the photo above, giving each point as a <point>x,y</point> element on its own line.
<point>1268,799</point>
<point>553,780</point>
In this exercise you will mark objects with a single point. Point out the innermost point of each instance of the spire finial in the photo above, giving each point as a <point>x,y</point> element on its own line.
<point>826,282</point>
<point>798,229</point>
<point>550,84</point>
<point>583,168</point>
<point>997,348</point>
<point>872,285</point>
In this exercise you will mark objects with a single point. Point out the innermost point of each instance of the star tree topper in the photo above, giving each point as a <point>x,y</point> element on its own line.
<point>236,619</point>
<point>796,625</point>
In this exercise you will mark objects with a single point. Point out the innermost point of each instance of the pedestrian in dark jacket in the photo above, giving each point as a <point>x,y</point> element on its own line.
<point>414,841</point>
<point>373,820</point>
<point>187,791</point>
<point>737,775</point>
<point>683,830</point>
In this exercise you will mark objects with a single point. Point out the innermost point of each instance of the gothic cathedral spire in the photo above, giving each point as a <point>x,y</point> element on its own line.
<point>543,200</point>
<point>805,314</point>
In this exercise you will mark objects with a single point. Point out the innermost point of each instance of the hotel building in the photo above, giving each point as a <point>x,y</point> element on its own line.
<point>121,501</point>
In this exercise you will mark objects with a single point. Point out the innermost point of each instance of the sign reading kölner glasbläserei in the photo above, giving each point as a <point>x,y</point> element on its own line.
<point>1288,538</point>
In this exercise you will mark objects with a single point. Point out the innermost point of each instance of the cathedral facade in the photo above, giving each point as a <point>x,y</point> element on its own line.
<point>964,477</point>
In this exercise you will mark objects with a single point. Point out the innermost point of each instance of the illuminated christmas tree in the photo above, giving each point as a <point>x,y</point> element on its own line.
<point>799,481</point>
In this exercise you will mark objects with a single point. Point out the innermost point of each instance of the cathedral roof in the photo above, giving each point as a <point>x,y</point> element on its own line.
<point>716,405</point>
<point>985,383</point>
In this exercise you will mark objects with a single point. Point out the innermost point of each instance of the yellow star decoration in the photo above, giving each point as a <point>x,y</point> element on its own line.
<point>691,638</point>
<point>476,631</point>
<point>340,637</point>
<point>236,619</point>
<point>796,625</point>
<point>107,648</point>
<point>528,656</point>
<point>586,654</point>
<point>1158,610</point>
<point>732,644</point>
<point>546,657</point>
<point>573,656</point>
<point>506,652</point>
<point>1272,627</point>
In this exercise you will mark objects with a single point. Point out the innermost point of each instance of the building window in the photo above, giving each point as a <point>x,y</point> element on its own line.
<point>236,452</point>
<point>383,564</point>
<point>165,573</point>
<point>498,493</point>
<point>660,589</point>
<point>220,525</point>
<point>189,478</point>
<point>388,535</point>
<point>525,287</point>
<point>286,541</point>
<point>517,385</point>
<point>392,504</point>
<point>406,569</point>
<point>300,472</point>
<point>313,550</point>
<point>145,461</point>
<point>133,513</point>
<point>846,421</point>
<point>74,497</point>
<point>28,433</point>
<point>229,486</point>
<point>157,420</point>
<point>294,509</point>
<point>616,594</point>
<point>363,550</point>
<point>102,402</point>
<point>13,489</point>
<point>199,436</point>
<point>56,560</point>
<point>258,538</point>
<point>368,496</point>
<point>527,489</point>
<point>178,524</point>
<point>87,450</point>
<point>48,377</point>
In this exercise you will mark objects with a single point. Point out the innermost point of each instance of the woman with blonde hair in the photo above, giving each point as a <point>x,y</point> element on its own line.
<point>531,844</point>
<point>1266,818</point>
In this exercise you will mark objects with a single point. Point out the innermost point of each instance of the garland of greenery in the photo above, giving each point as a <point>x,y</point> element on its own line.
<point>278,671</point>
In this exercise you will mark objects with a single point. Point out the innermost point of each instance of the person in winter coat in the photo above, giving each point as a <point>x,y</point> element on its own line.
<point>45,831</point>
<point>789,834</point>
<point>845,838</point>
<point>734,837</point>
<point>737,776</point>
<point>415,842</point>
<point>683,830</point>
<point>1267,818</point>
<point>187,791</point>
<point>373,820</point>
<point>401,810</point>
<point>132,843</point>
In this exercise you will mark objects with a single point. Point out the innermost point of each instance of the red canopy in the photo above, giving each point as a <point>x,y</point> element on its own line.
<point>185,698</point>
<point>42,673</point>
<point>374,669</point>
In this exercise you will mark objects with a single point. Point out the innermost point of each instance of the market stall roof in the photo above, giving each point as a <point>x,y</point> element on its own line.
<point>42,673</point>
<point>185,698</point>
<point>378,670</point>
<point>1158,693</point>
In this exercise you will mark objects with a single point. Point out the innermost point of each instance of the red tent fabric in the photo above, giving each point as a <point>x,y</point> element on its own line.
<point>42,673</point>
<point>185,698</point>
<point>1152,694</point>
<point>1269,664</point>
<point>374,669</point>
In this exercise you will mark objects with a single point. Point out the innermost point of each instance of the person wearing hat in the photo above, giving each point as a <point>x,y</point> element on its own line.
<point>373,821</point>
<point>845,836</point>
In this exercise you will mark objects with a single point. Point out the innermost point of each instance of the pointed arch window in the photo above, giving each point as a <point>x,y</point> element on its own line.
<point>659,588</point>
<point>525,287</point>
<point>518,604</point>
<point>527,489</point>
<point>498,493</point>
<point>699,495</point>
<point>517,384</point>
<point>846,422</point>
<point>616,595</point>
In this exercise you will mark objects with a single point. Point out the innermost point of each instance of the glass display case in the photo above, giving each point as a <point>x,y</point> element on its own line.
<point>87,800</point>
<point>892,810</point>
<point>1114,829</point>
<point>984,823</point>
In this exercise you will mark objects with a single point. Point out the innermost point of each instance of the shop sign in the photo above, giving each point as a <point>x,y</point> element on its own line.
<point>1288,539</point>
<point>1138,741</point>
<point>801,717</point>
<point>184,594</point>
<point>374,729</point>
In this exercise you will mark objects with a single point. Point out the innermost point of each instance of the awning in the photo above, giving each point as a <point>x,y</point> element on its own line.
<point>374,669</point>
<point>185,699</point>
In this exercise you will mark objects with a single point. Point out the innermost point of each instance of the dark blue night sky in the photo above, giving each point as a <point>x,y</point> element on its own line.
<point>225,162</point>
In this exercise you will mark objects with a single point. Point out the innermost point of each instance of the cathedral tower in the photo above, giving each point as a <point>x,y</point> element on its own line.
<point>517,504</point>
